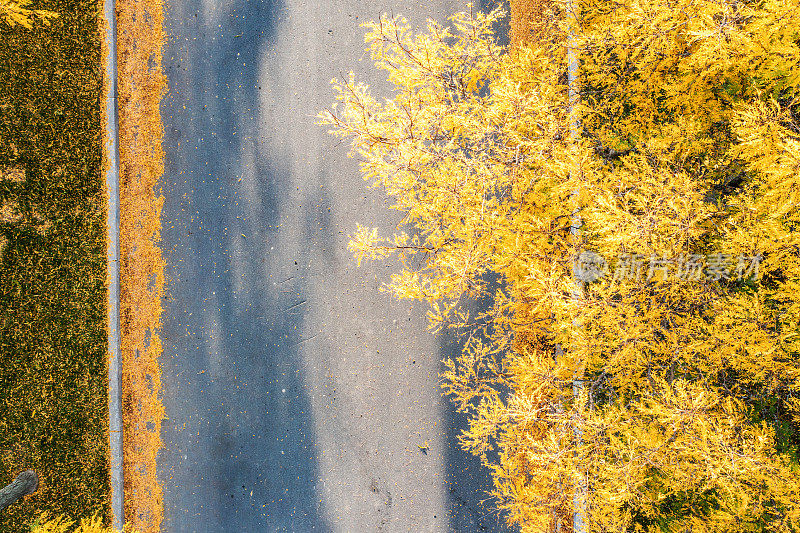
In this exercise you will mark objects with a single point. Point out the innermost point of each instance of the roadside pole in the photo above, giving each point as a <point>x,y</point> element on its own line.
<point>112,186</point>
<point>580,517</point>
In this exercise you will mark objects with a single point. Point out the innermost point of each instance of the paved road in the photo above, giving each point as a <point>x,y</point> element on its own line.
<point>297,394</point>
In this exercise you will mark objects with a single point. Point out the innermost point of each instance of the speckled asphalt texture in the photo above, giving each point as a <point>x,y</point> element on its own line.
<point>298,395</point>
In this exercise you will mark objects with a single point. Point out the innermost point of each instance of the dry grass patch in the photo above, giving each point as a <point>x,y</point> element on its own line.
<point>13,174</point>
<point>9,212</point>
<point>40,221</point>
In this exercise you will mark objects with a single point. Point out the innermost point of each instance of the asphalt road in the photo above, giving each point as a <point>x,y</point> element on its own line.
<point>298,395</point>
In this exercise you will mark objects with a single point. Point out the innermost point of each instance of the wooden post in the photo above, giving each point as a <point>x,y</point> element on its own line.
<point>26,483</point>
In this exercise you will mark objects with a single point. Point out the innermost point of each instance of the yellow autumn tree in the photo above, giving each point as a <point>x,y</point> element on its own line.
<point>639,361</point>
<point>44,523</point>
<point>19,13</point>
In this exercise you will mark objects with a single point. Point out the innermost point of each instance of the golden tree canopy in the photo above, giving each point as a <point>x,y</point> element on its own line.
<point>677,304</point>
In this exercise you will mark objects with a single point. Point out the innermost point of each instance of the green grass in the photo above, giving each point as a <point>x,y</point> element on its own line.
<point>53,385</point>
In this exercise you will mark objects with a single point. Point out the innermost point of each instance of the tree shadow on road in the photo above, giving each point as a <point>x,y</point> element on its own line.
<point>239,449</point>
<point>470,505</point>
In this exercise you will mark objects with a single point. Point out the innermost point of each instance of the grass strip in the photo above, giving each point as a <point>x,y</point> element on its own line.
<point>53,381</point>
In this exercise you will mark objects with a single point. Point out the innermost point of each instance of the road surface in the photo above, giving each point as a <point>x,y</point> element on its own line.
<point>298,395</point>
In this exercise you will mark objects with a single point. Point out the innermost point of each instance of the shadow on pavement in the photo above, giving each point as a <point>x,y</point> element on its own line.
<point>239,442</point>
<point>470,504</point>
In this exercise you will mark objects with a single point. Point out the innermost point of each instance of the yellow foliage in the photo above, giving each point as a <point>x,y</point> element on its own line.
<point>17,13</point>
<point>684,176</point>
<point>61,524</point>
